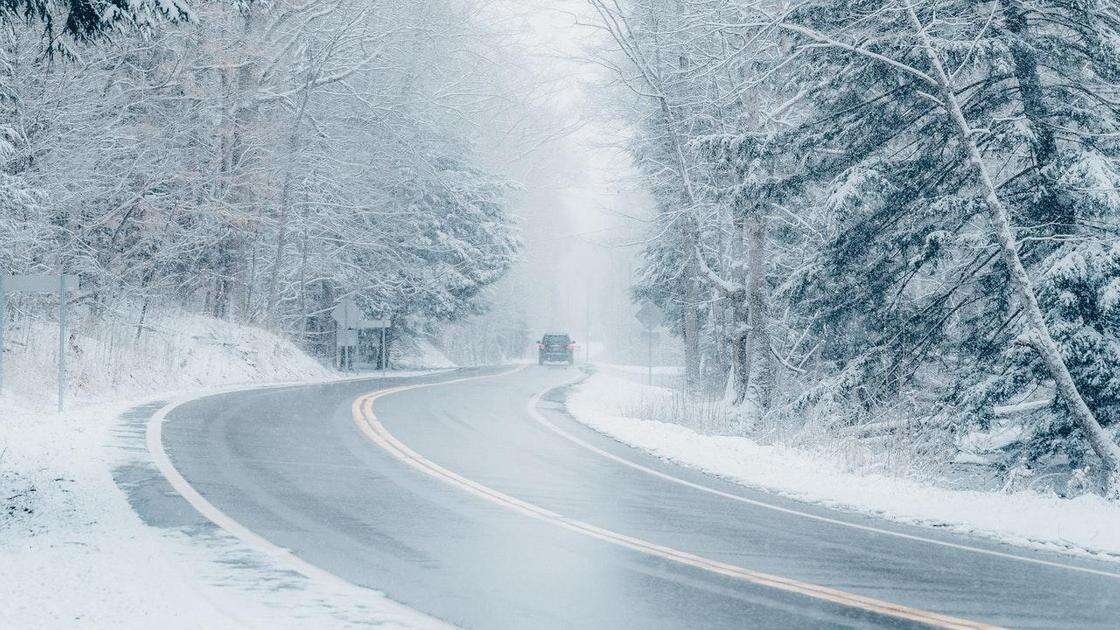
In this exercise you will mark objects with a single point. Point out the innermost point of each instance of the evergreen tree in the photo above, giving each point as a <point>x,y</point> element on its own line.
<point>910,276</point>
<point>84,21</point>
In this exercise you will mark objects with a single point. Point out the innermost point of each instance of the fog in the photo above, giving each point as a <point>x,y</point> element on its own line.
<point>581,210</point>
<point>273,276</point>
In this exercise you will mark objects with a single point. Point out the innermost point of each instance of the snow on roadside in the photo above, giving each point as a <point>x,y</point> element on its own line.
<point>670,370</point>
<point>426,355</point>
<point>108,361</point>
<point>1086,525</point>
<point>74,553</point>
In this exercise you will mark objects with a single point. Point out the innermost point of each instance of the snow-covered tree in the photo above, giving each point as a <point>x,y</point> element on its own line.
<point>966,171</point>
<point>66,22</point>
<point>943,178</point>
<point>259,162</point>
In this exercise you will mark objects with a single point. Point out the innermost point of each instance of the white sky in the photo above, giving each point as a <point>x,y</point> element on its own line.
<point>575,185</point>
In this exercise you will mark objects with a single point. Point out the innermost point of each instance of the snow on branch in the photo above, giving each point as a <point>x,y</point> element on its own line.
<point>729,289</point>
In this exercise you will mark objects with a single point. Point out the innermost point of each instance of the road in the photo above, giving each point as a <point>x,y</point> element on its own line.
<point>453,497</point>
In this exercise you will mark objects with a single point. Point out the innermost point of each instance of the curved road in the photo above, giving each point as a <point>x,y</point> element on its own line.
<point>456,499</point>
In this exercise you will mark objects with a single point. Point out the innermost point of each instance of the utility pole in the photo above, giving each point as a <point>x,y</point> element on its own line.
<point>650,317</point>
<point>61,339</point>
<point>40,283</point>
<point>3,316</point>
<point>587,323</point>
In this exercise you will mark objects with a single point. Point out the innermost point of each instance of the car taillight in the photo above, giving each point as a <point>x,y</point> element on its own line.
<point>571,346</point>
<point>540,346</point>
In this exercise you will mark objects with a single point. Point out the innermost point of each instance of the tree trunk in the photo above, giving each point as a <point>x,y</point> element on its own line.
<point>740,374</point>
<point>143,314</point>
<point>325,324</point>
<point>1044,144</point>
<point>760,360</point>
<point>145,281</point>
<point>304,244</point>
<point>739,328</point>
<point>691,331</point>
<point>1048,209</point>
<point>282,214</point>
<point>217,295</point>
<point>249,279</point>
<point>388,346</point>
<point>281,241</point>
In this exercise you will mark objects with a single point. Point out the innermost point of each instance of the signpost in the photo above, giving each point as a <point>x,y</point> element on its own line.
<point>350,320</point>
<point>39,283</point>
<point>382,351</point>
<point>650,317</point>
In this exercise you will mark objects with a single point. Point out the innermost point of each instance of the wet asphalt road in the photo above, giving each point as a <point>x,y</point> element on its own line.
<point>291,465</point>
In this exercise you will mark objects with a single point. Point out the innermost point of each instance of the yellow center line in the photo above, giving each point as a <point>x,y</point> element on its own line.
<point>368,423</point>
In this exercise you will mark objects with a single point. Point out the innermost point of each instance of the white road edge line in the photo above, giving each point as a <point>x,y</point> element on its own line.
<point>154,439</point>
<point>368,423</point>
<point>539,417</point>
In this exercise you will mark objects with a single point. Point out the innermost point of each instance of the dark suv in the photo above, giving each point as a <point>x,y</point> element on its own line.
<point>556,347</point>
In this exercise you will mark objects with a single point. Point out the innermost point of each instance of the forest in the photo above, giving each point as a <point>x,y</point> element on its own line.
<point>253,161</point>
<point>559,313</point>
<point>896,215</point>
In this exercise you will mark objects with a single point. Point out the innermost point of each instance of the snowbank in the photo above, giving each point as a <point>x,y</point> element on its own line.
<point>424,355</point>
<point>114,361</point>
<point>1086,525</point>
<point>669,370</point>
<point>76,554</point>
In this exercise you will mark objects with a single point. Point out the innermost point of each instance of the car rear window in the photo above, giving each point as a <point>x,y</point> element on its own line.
<point>556,339</point>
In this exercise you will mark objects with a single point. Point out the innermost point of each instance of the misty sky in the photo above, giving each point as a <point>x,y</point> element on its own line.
<point>578,185</point>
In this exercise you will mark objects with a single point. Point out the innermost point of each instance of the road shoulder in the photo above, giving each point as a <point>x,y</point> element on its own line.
<point>1080,530</point>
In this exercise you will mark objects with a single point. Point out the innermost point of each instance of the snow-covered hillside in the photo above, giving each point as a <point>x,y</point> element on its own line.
<point>113,361</point>
<point>74,551</point>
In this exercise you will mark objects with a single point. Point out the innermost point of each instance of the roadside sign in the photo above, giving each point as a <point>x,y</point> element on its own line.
<point>39,283</point>
<point>651,318</point>
<point>649,315</point>
<point>347,337</point>
<point>651,336</point>
<point>346,313</point>
<point>350,320</point>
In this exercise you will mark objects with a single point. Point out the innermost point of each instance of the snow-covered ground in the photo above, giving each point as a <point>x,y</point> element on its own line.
<point>425,355</point>
<point>665,370</point>
<point>74,553</point>
<point>1086,525</point>
<point>109,362</point>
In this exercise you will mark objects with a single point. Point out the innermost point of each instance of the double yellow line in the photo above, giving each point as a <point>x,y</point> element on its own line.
<point>367,421</point>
